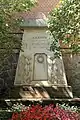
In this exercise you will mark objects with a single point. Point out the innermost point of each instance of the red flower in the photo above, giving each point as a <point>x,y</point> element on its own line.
<point>38,112</point>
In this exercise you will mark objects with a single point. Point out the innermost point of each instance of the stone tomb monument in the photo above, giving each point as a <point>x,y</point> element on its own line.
<point>38,71</point>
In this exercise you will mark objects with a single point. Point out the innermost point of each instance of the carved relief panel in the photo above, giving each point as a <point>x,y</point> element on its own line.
<point>40,68</point>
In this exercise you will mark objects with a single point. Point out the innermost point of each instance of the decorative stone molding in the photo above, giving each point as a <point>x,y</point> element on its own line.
<point>28,69</point>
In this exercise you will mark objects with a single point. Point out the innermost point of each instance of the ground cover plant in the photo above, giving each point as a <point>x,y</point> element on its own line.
<point>47,112</point>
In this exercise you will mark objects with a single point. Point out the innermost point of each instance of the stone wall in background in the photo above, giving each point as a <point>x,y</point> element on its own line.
<point>72,68</point>
<point>7,75</point>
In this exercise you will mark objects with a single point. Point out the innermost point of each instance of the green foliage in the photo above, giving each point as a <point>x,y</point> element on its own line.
<point>16,5</point>
<point>5,115</point>
<point>9,23</point>
<point>60,109</point>
<point>70,108</point>
<point>64,24</point>
<point>18,107</point>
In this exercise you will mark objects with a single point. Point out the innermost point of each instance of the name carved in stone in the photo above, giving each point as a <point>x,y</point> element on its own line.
<point>39,42</point>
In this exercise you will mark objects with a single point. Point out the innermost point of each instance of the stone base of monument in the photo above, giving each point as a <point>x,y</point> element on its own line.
<point>41,92</point>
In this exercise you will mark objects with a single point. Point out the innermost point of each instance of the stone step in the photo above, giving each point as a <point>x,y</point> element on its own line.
<point>41,92</point>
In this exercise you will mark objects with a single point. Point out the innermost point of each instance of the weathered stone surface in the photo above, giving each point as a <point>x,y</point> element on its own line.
<point>37,65</point>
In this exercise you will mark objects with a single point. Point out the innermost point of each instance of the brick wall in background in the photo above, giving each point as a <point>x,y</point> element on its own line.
<point>41,10</point>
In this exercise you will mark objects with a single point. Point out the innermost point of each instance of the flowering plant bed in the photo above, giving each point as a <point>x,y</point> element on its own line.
<point>49,112</point>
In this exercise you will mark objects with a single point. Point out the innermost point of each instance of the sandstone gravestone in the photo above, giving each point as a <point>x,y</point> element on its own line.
<point>37,65</point>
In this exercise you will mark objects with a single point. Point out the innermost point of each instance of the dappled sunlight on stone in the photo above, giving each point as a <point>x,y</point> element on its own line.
<point>34,93</point>
<point>45,83</point>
